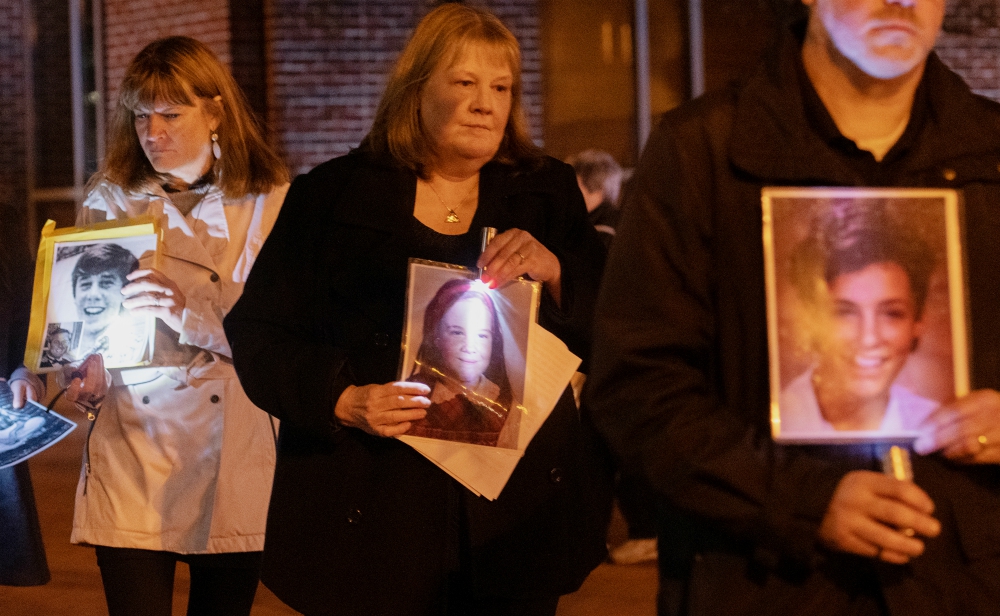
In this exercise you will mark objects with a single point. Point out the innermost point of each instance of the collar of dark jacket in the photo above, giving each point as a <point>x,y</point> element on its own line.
<point>773,141</point>
<point>380,194</point>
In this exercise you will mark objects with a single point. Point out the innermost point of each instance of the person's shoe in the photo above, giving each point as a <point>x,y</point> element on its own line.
<point>634,551</point>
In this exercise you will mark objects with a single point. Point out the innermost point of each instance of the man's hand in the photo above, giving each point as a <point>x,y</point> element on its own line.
<point>872,514</point>
<point>966,430</point>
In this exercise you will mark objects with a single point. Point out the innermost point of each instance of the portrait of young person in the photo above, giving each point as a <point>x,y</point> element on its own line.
<point>862,278</point>
<point>461,359</point>
<point>179,463</point>
<point>851,95</point>
<point>352,507</point>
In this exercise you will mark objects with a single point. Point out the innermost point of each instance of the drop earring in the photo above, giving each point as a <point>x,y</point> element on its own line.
<point>215,146</point>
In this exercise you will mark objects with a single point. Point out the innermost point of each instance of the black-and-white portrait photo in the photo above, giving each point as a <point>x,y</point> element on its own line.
<point>59,339</point>
<point>85,313</point>
<point>468,343</point>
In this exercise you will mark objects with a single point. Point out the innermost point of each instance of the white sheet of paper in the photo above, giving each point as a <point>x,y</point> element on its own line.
<point>485,470</point>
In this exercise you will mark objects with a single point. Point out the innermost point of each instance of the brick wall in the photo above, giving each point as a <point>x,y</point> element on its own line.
<point>12,105</point>
<point>970,43</point>
<point>130,25</point>
<point>328,62</point>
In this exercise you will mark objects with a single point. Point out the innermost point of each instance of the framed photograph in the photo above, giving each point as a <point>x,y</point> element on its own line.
<point>27,431</point>
<point>469,343</point>
<point>76,305</point>
<point>866,311</point>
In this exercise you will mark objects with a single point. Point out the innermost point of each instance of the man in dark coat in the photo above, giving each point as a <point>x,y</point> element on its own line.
<point>680,371</point>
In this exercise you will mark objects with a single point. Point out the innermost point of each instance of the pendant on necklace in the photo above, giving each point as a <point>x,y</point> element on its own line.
<point>452,217</point>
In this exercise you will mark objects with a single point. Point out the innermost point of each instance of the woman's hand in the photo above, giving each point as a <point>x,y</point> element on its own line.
<point>383,410</point>
<point>966,430</point>
<point>23,391</point>
<point>89,384</point>
<point>874,515</point>
<point>516,253</point>
<point>150,292</point>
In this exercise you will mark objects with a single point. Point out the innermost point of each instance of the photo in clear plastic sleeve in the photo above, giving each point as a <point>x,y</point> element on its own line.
<point>81,301</point>
<point>866,316</point>
<point>468,343</point>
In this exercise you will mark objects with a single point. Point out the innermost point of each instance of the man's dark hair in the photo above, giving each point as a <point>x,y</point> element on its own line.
<point>100,258</point>
<point>853,235</point>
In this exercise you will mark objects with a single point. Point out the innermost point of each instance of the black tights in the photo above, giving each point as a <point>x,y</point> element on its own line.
<point>141,582</point>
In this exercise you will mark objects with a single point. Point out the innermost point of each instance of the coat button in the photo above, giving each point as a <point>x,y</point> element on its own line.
<point>145,399</point>
<point>949,174</point>
<point>354,516</point>
<point>381,339</point>
<point>214,399</point>
<point>556,475</point>
<point>214,277</point>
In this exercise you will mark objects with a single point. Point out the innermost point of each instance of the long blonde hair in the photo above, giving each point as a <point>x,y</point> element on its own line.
<point>440,37</point>
<point>171,70</point>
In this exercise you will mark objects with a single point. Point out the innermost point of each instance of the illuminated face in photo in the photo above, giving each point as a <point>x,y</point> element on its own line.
<point>98,299</point>
<point>465,340</point>
<point>875,324</point>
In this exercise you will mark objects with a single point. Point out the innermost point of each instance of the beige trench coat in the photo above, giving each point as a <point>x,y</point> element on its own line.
<point>179,459</point>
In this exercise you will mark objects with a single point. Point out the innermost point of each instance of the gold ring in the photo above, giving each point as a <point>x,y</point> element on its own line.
<point>518,253</point>
<point>982,441</point>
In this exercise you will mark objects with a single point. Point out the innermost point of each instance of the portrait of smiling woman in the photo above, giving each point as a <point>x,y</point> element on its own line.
<point>448,154</point>
<point>863,277</point>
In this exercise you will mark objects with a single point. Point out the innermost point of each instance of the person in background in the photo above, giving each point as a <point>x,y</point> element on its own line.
<point>852,95</point>
<point>179,463</point>
<point>360,523</point>
<point>600,178</point>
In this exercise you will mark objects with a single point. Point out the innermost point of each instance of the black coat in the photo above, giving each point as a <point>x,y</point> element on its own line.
<point>680,372</point>
<point>362,525</point>
<point>22,555</point>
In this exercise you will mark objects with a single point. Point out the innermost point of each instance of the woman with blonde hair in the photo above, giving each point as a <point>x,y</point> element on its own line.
<point>179,462</point>
<point>360,523</point>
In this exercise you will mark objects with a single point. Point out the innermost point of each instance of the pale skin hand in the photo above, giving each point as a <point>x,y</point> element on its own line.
<point>23,391</point>
<point>874,515</point>
<point>150,292</point>
<point>383,410</point>
<point>958,429</point>
<point>516,253</point>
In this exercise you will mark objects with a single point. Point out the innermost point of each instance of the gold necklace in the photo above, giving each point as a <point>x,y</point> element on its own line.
<point>452,216</point>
